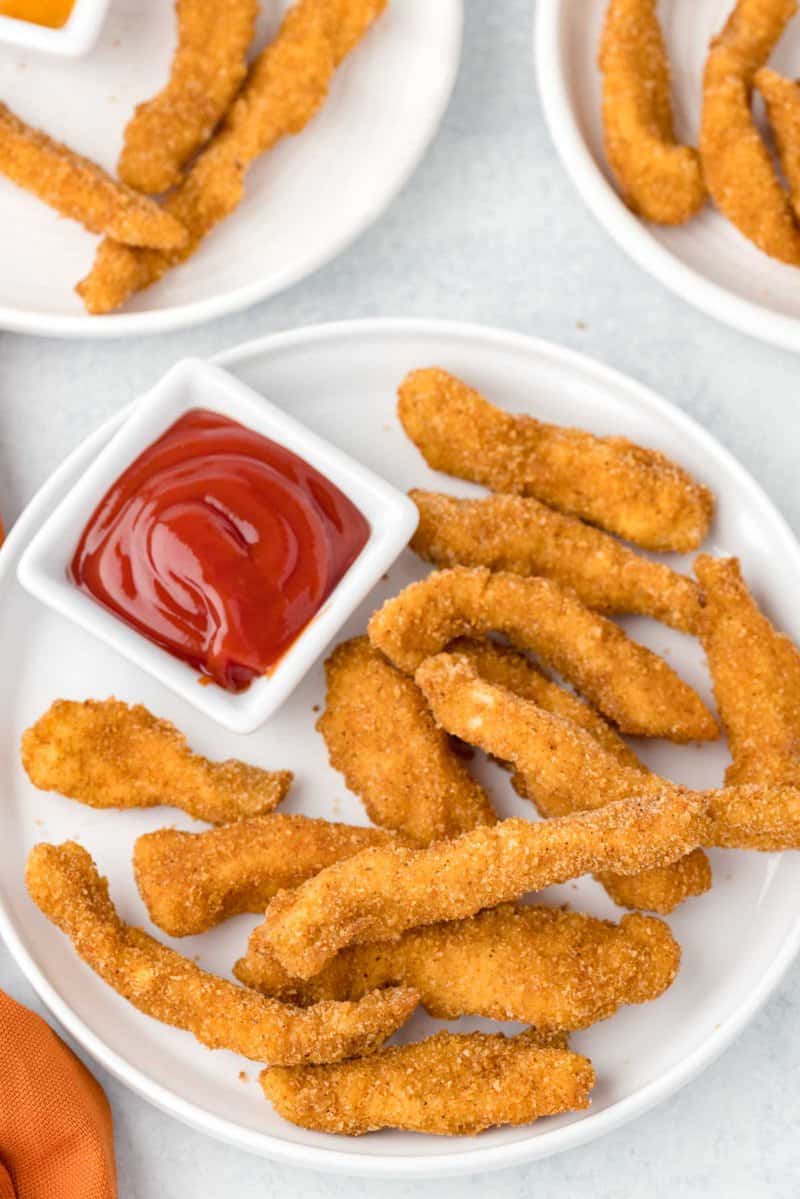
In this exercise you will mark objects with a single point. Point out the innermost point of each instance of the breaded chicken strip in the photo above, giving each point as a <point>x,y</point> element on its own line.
<point>108,754</point>
<point>638,494</point>
<point>381,736</point>
<point>659,179</point>
<point>555,969</point>
<point>756,675</point>
<point>64,883</point>
<point>285,87</point>
<point>208,66</point>
<point>192,881</point>
<point>628,683</point>
<point>737,166</point>
<point>782,100</point>
<point>82,190</point>
<point>450,1084</point>
<point>517,533</point>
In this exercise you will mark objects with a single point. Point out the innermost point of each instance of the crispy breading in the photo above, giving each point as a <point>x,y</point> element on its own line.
<point>756,675</point>
<point>285,87</point>
<point>624,680</point>
<point>108,754</point>
<point>79,188</point>
<point>637,493</point>
<point>208,66</point>
<point>64,883</point>
<point>520,534</point>
<point>782,99</point>
<point>192,881</point>
<point>558,970</point>
<point>450,1084</point>
<point>660,179</point>
<point>381,736</point>
<point>737,166</point>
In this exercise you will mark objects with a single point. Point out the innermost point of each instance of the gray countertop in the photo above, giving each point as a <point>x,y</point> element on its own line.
<point>490,230</point>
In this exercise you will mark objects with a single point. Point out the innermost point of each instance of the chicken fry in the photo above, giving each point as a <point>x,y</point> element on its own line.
<point>208,66</point>
<point>192,881</point>
<point>79,188</point>
<point>782,100</point>
<point>64,883</point>
<point>638,494</point>
<point>285,87</point>
<point>381,736</point>
<point>110,755</point>
<point>737,166</point>
<point>628,683</point>
<point>450,1084</point>
<point>659,179</point>
<point>558,970</point>
<point>756,675</point>
<point>519,534</point>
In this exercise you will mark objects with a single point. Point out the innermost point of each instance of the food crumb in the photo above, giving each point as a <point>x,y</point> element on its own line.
<point>244,1076</point>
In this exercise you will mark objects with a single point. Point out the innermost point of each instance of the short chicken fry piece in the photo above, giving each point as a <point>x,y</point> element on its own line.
<point>108,754</point>
<point>450,1084</point>
<point>782,100</point>
<point>64,883</point>
<point>637,493</point>
<point>628,683</point>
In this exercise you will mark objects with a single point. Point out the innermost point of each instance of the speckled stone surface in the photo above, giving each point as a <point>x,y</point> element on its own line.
<point>490,230</point>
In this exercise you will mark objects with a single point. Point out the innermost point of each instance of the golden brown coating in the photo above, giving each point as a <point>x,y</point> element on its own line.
<point>756,675</point>
<point>192,881</point>
<point>208,66</point>
<point>450,1084</point>
<point>381,736</point>
<point>627,682</point>
<point>638,494</point>
<point>79,188</point>
<point>285,87</point>
<point>518,533</point>
<point>64,883</point>
<point>558,970</point>
<point>737,166</point>
<point>108,754</point>
<point>782,100</point>
<point>659,179</point>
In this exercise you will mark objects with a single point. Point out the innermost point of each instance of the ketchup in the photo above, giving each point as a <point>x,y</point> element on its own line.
<point>219,545</point>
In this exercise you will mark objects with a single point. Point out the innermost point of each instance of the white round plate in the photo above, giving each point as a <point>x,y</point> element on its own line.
<point>737,940</point>
<point>707,261</point>
<point>304,202</point>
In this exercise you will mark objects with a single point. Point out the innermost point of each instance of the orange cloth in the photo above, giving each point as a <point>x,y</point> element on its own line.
<point>56,1135</point>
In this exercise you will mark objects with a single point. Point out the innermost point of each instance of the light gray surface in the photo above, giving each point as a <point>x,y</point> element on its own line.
<point>489,230</point>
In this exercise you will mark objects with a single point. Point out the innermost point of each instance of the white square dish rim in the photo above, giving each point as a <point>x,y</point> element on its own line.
<point>73,39</point>
<point>194,383</point>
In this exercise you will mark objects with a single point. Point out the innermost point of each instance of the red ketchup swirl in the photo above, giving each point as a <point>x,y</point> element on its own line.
<point>219,545</point>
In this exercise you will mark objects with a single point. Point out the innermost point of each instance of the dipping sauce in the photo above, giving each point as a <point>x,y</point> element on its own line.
<point>220,546</point>
<point>52,13</point>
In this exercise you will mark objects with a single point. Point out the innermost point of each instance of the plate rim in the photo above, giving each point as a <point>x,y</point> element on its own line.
<point>477,1159</point>
<point>197,312</point>
<point>629,232</point>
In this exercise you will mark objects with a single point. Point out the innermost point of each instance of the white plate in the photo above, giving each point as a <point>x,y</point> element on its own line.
<point>737,940</point>
<point>707,261</point>
<point>304,201</point>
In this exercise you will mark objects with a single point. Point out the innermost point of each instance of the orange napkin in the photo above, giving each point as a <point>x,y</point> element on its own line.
<point>56,1135</point>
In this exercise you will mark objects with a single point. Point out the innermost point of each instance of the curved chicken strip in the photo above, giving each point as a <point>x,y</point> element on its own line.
<point>782,100</point>
<point>208,66</point>
<point>381,736</point>
<point>638,494</point>
<point>64,883</point>
<point>192,881</point>
<point>756,675</point>
<point>285,87</point>
<point>737,166</point>
<point>659,179</point>
<point>108,754</point>
<point>560,767</point>
<point>519,534</point>
<point>450,1084</point>
<point>558,970</point>
<point>628,683</point>
<point>82,190</point>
